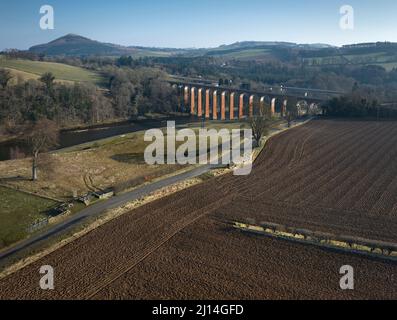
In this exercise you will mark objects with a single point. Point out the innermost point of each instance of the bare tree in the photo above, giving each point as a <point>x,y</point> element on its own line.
<point>292,111</point>
<point>5,77</point>
<point>42,136</point>
<point>48,79</point>
<point>259,125</point>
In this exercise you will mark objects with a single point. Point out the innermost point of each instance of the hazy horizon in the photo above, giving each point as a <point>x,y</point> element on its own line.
<point>197,48</point>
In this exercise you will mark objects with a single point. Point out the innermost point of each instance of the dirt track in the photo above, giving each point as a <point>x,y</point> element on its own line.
<point>331,176</point>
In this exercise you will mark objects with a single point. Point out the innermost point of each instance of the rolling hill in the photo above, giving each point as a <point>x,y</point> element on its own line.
<point>75,45</point>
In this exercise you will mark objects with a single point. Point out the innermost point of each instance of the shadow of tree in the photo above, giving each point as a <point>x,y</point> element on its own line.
<point>13,179</point>
<point>130,158</point>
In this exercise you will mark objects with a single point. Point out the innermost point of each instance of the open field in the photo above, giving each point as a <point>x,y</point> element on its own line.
<point>18,210</point>
<point>27,69</point>
<point>256,54</point>
<point>330,176</point>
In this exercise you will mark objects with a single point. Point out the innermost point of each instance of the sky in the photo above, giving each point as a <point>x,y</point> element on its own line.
<point>197,23</point>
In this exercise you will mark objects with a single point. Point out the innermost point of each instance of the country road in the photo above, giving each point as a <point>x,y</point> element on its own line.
<point>101,207</point>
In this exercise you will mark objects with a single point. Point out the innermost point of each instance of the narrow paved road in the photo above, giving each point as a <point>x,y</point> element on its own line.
<point>100,207</point>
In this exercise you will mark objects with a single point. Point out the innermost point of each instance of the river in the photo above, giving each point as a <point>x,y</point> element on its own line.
<point>67,138</point>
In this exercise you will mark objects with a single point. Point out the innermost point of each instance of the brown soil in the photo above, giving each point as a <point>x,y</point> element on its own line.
<point>331,176</point>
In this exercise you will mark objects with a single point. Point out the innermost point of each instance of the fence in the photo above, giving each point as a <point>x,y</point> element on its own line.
<point>38,224</point>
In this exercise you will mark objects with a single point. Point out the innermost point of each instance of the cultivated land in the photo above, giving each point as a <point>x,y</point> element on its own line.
<point>331,176</point>
<point>27,69</point>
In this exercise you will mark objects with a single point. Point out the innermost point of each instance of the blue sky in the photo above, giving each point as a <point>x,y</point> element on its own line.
<point>197,23</point>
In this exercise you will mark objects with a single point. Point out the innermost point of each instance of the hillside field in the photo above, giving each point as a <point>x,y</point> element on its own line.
<point>387,61</point>
<point>27,69</point>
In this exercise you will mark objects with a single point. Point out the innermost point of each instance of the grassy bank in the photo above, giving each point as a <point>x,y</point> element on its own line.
<point>18,210</point>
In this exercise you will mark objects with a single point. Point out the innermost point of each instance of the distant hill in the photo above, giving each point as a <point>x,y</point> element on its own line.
<point>75,45</point>
<point>261,50</point>
<point>383,54</point>
<point>253,44</point>
<point>317,54</point>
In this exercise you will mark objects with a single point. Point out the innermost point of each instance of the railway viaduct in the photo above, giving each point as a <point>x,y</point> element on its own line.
<point>210,101</point>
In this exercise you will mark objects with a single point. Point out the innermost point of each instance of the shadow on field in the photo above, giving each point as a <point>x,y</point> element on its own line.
<point>12,179</point>
<point>130,158</point>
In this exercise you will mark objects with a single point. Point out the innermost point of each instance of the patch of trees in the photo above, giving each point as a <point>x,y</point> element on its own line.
<point>64,104</point>
<point>139,91</point>
<point>132,92</point>
<point>125,61</point>
<point>19,54</point>
<point>362,102</point>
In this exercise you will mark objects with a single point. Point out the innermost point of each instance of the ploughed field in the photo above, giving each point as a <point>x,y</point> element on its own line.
<point>330,176</point>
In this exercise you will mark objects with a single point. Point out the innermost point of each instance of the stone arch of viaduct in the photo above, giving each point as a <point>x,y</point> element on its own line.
<point>218,103</point>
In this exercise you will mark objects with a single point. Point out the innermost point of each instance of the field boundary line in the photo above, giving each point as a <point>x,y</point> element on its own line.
<point>30,193</point>
<point>347,244</point>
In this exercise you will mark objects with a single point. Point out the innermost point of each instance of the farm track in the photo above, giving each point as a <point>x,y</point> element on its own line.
<point>330,176</point>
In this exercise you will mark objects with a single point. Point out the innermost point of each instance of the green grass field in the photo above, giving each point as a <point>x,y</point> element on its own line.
<point>381,59</point>
<point>34,69</point>
<point>389,66</point>
<point>249,54</point>
<point>18,210</point>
